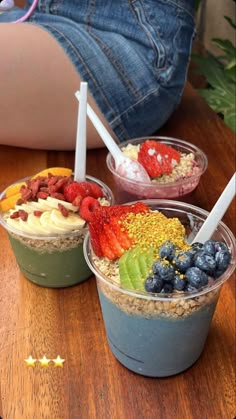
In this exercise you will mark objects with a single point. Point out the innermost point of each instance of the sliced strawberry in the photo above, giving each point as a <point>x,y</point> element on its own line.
<point>71,191</point>
<point>85,189</point>
<point>113,241</point>
<point>157,158</point>
<point>106,249</point>
<point>95,242</point>
<point>103,213</point>
<point>108,236</point>
<point>87,207</point>
<point>95,190</point>
<point>122,236</point>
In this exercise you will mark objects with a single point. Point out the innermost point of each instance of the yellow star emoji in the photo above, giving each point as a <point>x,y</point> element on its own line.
<point>30,361</point>
<point>58,361</point>
<point>44,361</point>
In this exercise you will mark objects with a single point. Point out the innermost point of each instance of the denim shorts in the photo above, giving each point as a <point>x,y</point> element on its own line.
<point>133,53</point>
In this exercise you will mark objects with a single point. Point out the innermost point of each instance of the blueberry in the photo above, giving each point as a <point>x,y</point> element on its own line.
<point>220,246</point>
<point>209,247</point>
<point>205,262</point>
<point>195,247</point>
<point>153,284</point>
<point>164,269</point>
<point>196,277</point>
<point>167,250</point>
<point>179,283</point>
<point>189,288</point>
<point>217,273</point>
<point>167,288</point>
<point>222,258</point>
<point>183,261</point>
<point>156,267</point>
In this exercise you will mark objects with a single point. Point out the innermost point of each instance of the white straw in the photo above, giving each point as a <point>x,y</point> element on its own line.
<point>104,134</point>
<point>217,212</point>
<point>126,166</point>
<point>80,149</point>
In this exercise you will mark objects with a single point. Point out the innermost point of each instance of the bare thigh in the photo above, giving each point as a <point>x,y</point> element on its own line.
<point>38,108</point>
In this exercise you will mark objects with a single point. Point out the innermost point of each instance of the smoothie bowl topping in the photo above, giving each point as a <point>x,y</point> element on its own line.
<point>146,251</point>
<point>51,203</point>
<point>174,167</point>
<point>164,162</point>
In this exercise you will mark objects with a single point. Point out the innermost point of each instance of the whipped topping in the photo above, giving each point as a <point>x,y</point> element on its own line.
<point>49,220</point>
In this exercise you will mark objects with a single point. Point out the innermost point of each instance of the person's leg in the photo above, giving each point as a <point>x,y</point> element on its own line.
<point>38,108</point>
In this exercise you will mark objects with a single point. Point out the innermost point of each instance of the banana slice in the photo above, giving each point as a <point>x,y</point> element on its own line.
<point>26,207</point>
<point>53,202</point>
<point>46,221</point>
<point>13,222</point>
<point>72,222</point>
<point>32,206</point>
<point>42,205</point>
<point>24,226</point>
<point>21,225</point>
<point>35,224</point>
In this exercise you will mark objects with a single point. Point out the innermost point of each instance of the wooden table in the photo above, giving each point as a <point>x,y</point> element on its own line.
<point>37,321</point>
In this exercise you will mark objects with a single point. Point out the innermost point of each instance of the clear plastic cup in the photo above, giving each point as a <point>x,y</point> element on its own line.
<point>52,261</point>
<point>160,335</point>
<point>127,190</point>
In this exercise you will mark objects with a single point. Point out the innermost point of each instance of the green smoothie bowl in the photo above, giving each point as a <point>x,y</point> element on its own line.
<point>47,223</point>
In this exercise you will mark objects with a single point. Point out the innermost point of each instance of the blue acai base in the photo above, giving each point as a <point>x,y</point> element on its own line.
<point>156,346</point>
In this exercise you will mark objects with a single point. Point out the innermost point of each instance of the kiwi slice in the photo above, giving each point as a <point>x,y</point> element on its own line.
<point>134,266</point>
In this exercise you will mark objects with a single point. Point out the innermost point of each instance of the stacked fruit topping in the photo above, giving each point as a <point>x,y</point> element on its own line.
<point>177,270</point>
<point>51,202</point>
<point>157,158</point>
<point>117,228</point>
<point>109,238</point>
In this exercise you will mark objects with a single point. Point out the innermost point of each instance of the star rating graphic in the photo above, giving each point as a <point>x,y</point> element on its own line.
<point>58,362</point>
<point>45,362</point>
<point>30,361</point>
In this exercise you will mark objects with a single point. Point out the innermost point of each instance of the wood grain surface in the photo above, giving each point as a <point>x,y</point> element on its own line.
<point>68,322</point>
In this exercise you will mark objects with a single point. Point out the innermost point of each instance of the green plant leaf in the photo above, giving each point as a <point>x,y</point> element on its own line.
<point>226,46</point>
<point>231,74</point>
<point>213,71</point>
<point>233,24</point>
<point>221,77</point>
<point>230,120</point>
<point>219,103</point>
<point>231,64</point>
<point>222,103</point>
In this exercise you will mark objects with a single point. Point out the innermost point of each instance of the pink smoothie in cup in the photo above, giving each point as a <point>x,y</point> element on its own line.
<point>177,180</point>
